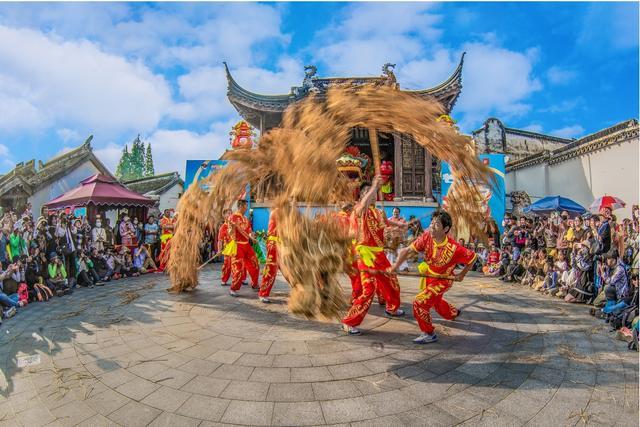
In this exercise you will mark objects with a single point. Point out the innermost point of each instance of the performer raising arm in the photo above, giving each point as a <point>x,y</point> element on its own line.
<point>244,259</point>
<point>369,247</point>
<point>441,254</point>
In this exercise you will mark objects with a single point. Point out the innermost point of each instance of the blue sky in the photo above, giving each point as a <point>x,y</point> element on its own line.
<point>118,69</point>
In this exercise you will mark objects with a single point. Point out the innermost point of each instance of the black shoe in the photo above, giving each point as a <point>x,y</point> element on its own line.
<point>245,283</point>
<point>459,313</point>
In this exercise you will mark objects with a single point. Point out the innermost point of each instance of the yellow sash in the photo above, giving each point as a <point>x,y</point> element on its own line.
<point>165,237</point>
<point>368,254</point>
<point>230,249</point>
<point>423,267</point>
<point>273,239</point>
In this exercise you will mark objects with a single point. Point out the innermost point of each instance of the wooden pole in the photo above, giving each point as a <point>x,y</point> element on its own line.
<point>375,152</point>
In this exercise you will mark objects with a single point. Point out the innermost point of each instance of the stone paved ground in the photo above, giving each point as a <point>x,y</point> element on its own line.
<point>132,354</point>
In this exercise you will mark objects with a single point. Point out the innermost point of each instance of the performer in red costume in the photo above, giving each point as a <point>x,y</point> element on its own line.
<point>344,218</point>
<point>441,254</point>
<point>271,266</point>
<point>370,223</point>
<point>244,258</point>
<point>223,239</point>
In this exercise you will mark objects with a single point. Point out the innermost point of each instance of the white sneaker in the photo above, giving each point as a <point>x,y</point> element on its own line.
<point>351,330</point>
<point>264,300</point>
<point>233,293</point>
<point>426,338</point>
<point>398,313</point>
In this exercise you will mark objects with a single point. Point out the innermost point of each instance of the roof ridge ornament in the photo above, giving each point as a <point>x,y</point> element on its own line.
<point>388,74</point>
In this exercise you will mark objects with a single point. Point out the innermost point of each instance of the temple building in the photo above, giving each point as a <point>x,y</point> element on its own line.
<point>413,172</point>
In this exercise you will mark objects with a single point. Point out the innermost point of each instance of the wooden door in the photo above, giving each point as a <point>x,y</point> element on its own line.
<point>413,168</point>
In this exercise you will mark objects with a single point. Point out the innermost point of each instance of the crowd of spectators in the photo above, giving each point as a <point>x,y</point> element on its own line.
<point>53,255</point>
<point>589,259</point>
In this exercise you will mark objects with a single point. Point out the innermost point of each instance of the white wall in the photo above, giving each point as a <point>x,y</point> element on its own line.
<point>613,171</point>
<point>60,186</point>
<point>531,179</point>
<point>169,199</point>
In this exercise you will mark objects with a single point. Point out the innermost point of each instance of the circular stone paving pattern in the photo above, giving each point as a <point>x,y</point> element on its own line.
<point>129,353</point>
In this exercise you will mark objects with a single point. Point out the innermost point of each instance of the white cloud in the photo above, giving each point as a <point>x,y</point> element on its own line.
<point>163,34</point>
<point>496,80</point>
<point>172,148</point>
<point>573,131</point>
<point>68,135</point>
<point>109,155</point>
<point>371,34</point>
<point>204,89</point>
<point>5,155</point>
<point>75,83</point>
<point>559,75</point>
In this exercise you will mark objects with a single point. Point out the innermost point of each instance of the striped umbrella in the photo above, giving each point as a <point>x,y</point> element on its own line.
<point>610,202</point>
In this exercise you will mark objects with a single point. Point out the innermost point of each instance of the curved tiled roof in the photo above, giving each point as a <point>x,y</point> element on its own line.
<point>252,106</point>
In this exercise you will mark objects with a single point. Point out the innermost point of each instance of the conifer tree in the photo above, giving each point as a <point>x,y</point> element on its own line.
<point>137,159</point>
<point>149,170</point>
<point>123,171</point>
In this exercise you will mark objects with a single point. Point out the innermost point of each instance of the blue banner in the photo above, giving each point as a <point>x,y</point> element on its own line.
<point>493,201</point>
<point>197,170</point>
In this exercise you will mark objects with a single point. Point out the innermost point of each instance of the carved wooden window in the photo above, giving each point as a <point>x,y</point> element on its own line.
<point>413,168</point>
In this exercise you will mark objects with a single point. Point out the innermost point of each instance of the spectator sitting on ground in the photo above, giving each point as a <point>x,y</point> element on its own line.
<point>492,266</point>
<point>128,269</point>
<point>113,265</point>
<point>517,269</point>
<point>616,284</point>
<point>560,268</point>
<point>100,265</point>
<point>9,305</point>
<point>86,275</point>
<point>142,259</point>
<point>58,280</point>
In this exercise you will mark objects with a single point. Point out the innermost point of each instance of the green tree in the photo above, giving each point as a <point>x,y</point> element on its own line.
<point>137,159</point>
<point>123,171</point>
<point>149,170</point>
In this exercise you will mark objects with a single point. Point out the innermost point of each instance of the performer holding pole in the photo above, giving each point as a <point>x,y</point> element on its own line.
<point>223,240</point>
<point>344,218</point>
<point>442,254</point>
<point>271,266</point>
<point>369,247</point>
<point>243,257</point>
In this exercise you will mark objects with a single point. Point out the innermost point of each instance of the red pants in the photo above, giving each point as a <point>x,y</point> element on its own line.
<point>387,285</point>
<point>432,297</point>
<point>243,262</point>
<point>270,269</point>
<point>226,269</point>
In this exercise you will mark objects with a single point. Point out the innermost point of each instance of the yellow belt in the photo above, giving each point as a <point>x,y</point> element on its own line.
<point>423,268</point>
<point>273,239</point>
<point>368,254</point>
<point>230,249</point>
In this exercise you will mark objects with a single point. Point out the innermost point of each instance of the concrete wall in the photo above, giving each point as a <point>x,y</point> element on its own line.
<point>612,171</point>
<point>60,186</point>
<point>169,199</point>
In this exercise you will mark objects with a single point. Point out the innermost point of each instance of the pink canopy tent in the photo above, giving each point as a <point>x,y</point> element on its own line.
<point>105,192</point>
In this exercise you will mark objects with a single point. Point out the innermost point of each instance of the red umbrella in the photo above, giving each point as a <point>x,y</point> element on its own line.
<point>610,202</point>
